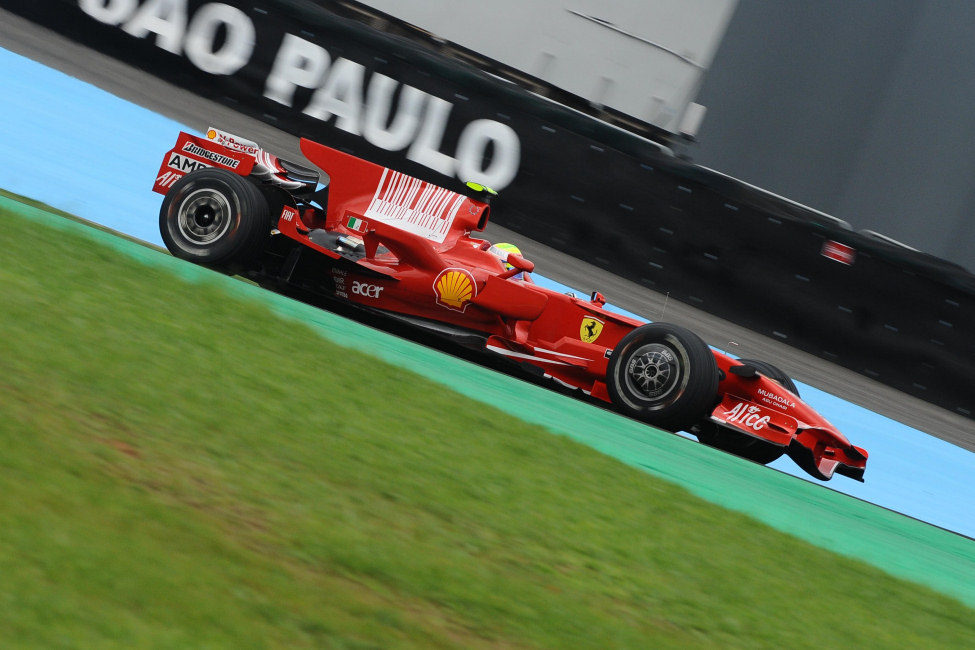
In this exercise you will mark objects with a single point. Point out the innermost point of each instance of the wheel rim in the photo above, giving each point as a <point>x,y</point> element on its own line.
<point>652,371</point>
<point>204,216</point>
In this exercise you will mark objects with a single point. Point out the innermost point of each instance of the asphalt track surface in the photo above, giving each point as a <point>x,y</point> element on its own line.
<point>134,85</point>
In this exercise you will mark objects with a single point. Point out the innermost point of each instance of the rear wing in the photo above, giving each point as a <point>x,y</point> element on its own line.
<point>362,194</point>
<point>192,153</point>
<point>236,154</point>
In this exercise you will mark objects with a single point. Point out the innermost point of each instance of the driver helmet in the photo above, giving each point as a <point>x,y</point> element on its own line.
<point>501,250</point>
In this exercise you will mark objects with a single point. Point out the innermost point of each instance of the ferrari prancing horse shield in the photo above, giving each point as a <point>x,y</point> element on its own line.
<point>590,329</point>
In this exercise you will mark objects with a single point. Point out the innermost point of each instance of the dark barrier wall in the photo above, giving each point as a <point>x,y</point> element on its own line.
<point>596,192</point>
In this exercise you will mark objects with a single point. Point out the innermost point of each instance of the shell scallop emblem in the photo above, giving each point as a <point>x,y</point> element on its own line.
<point>455,288</point>
<point>211,134</point>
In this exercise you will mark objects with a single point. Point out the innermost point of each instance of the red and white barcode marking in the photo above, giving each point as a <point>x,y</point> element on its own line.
<point>415,206</point>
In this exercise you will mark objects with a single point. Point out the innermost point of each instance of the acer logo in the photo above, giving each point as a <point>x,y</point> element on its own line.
<point>747,416</point>
<point>365,289</point>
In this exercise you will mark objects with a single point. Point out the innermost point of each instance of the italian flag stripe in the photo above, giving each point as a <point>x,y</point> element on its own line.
<point>355,224</point>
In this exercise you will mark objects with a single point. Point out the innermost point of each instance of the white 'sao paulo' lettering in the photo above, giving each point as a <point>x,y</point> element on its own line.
<point>175,31</point>
<point>364,107</point>
<point>220,39</point>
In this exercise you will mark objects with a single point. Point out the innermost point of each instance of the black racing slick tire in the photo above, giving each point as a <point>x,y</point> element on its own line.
<point>772,373</point>
<point>214,217</point>
<point>664,375</point>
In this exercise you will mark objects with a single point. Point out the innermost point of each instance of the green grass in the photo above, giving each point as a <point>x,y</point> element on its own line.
<point>180,468</point>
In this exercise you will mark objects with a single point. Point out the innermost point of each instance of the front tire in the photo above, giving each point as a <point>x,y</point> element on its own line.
<point>663,374</point>
<point>214,217</point>
<point>773,373</point>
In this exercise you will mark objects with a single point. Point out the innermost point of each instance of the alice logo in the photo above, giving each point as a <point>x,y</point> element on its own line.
<point>747,415</point>
<point>454,289</point>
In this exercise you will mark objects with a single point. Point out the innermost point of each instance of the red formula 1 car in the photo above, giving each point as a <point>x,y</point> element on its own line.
<point>392,244</point>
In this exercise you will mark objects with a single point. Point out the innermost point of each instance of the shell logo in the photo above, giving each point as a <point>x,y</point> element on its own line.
<point>455,288</point>
<point>211,134</point>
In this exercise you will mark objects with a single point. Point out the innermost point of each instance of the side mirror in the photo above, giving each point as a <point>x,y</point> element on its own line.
<point>520,263</point>
<point>745,371</point>
<point>597,298</point>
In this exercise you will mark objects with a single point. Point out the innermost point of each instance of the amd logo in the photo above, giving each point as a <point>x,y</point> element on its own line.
<point>185,163</point>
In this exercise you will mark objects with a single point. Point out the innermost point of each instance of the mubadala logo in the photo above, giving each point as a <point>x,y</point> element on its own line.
<point>776,398</point>
<point>221,39</point>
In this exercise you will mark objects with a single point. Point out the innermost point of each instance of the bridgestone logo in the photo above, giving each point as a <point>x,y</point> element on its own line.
<point>220,159</point>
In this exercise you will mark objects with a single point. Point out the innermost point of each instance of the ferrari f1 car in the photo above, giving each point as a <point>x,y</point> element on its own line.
<point>392,244</point>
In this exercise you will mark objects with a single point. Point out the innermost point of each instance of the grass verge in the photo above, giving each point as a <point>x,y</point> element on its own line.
<point>180,468</point>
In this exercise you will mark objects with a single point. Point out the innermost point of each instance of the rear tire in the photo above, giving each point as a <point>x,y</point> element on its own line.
<point>214,217</point>
<point>663,374</point>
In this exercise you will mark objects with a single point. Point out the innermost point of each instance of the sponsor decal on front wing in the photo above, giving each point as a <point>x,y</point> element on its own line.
<point>776,400</point>
<point>747,416</point>
<point>756,419</point>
